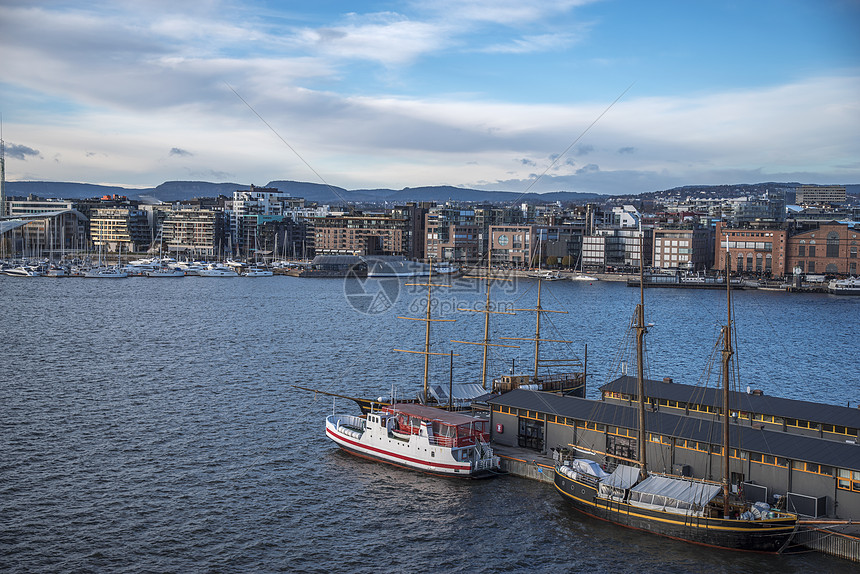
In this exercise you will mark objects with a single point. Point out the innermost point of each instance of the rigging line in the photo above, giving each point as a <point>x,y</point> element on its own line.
<point>567,149</point>
<point>292,149</point>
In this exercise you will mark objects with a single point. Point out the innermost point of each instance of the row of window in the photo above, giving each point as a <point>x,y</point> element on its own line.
<point>846,479</point>
<point>756,417</point>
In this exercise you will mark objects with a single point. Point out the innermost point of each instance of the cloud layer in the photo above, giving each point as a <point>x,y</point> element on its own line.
<point>339,92</point>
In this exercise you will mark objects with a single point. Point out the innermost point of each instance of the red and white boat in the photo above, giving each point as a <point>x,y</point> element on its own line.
<point>418,437</point>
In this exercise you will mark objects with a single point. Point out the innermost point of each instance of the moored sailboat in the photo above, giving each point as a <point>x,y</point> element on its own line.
<point>697,511</point>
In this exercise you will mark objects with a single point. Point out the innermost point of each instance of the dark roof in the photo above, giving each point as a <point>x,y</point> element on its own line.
<point>777,443</point>
<point>760,404</point>
<point>434,414</point>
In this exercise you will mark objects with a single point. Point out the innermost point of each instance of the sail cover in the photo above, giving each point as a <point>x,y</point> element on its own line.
<point>461,393</point>
<point>672,494</point>
<point>622,477</point>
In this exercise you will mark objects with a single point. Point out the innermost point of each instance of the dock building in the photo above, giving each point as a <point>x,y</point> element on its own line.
<point>820,476</point>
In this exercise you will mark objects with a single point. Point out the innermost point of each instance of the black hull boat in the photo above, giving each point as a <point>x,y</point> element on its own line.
<point>697,511</point>
<point>770,533</point>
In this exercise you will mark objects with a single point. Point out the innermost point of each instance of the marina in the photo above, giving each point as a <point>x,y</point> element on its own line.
<point>198,442</point>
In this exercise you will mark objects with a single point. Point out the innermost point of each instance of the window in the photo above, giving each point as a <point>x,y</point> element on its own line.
<point>832,244</point>
<point>812,251</point>
<point>801,249</point>
<point>848,480</point>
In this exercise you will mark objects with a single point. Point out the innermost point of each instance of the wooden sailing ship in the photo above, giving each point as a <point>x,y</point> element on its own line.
<point>695,511</point>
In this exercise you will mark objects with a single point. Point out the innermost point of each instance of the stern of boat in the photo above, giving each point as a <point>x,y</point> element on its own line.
<point>485,460</point>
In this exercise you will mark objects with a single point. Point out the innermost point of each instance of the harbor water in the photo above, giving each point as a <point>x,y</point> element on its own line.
<point>153,426</point>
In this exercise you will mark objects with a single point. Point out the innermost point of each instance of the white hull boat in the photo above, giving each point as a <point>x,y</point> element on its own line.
<point>166,273</point>
<point>420,438</point>
<point>257,272</point>
<point>105,273</point>
<point>850,286</point>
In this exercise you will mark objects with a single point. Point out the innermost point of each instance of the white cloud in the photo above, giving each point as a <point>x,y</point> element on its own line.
<point>133,86</point>
<point>387,38</point>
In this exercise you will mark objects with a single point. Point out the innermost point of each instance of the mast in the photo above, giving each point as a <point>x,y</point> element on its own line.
<point>427,320</point>
<point>537,330</point>
<point>640,362</point>
<point>487,312</point>
<point>537,338</point>
<point>2,172</point>
<point>726,362</point>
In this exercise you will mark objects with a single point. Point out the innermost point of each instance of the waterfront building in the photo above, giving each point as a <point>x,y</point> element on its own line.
<point>829,249</point>
<point>512,244</point>
<point>120,228</point>
<point>195,232</point>
<point>360,234</point>
<point>244,208</point>
<point>820,476</point>
<point>752,250</point>
<point>452,241</point>
<point>535,245</point>
<point>616,249</point>
<point>687,246</point>
<point>43,227</point>
<point>49,234</point>
<point>414,214</point>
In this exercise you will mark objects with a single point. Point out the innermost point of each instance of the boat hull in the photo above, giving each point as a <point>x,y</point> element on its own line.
<point>770,535</point>
<point>401,454</point>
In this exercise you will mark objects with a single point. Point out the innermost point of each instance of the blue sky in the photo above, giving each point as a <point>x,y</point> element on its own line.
<point>488,94</point>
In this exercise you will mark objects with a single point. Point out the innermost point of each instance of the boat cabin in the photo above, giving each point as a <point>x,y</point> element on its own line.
<point>442,427</point>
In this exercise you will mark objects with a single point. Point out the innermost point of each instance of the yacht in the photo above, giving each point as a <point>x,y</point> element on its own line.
<point>166,272</point>
<point>217,272</point>
<point>257,272</point>
<point>22,271</point>
<point>106,273</point>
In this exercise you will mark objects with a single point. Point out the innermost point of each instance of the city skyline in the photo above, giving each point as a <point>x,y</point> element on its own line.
<point>607,97</point>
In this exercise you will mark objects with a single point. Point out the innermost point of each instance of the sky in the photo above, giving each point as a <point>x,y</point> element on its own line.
<point>602,96</point>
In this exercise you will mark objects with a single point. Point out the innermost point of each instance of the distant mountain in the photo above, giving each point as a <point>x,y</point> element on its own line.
<point>65,190</point>
<point>324,194</point>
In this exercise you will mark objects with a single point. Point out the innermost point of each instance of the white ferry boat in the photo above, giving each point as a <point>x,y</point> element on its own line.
<point>850,286</point>
<point>418,437</point>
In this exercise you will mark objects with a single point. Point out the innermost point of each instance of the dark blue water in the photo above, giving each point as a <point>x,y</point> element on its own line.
<point>151,425</point>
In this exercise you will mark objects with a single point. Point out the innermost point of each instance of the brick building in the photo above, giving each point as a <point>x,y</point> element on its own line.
<point>831,249</point>
<point>759,251</point>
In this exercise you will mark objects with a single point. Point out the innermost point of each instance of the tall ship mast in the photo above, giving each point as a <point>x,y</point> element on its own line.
<point>3,211</point>
<point>568,374</point>
<point>487,311</point>
<point>427,321</point>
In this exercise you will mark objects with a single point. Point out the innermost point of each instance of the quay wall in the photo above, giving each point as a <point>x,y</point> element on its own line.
<point>527,469</point>
<point>838,544</point>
